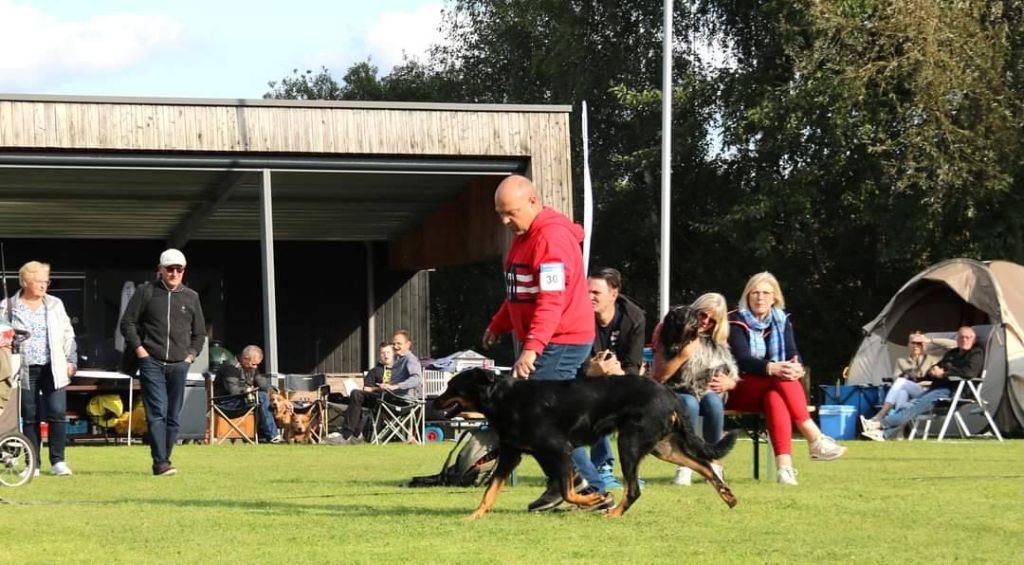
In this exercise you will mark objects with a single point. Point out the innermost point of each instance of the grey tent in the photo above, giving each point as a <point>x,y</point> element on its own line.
<point>943,297</point>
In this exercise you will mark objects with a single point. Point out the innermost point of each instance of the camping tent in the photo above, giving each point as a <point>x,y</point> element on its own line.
<point>943,297</point>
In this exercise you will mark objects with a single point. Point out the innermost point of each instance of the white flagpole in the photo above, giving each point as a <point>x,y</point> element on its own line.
<point>588,196</point>
<point>666,158</point>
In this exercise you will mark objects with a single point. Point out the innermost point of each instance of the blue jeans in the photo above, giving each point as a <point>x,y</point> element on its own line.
<point>267,425</point>
<point>163,391</point>
<point>894,420</point>
<point>711,407</point>
<point>601,452</point>
<point>560,363</point>
<point>40,401</point>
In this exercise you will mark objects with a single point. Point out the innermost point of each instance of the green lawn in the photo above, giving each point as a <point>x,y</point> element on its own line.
<point>894,502</point>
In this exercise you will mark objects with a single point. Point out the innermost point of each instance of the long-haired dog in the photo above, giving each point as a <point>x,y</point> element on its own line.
<point>679,328</point>
<point>547,419</point>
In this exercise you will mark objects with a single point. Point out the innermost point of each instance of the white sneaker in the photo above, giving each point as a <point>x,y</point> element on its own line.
<point>867,424</point>
<point>825,449</point>
<point>60,469</point>
<point>786,476</point>
<point>24,473</point>
<point>684,477</point>
<point>876,435</point>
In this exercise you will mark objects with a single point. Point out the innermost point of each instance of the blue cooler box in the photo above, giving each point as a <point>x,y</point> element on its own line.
<point>865,398</point>
<point>838,420</point>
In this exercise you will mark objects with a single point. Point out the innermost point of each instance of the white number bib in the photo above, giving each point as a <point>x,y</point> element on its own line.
<point>552,276</point>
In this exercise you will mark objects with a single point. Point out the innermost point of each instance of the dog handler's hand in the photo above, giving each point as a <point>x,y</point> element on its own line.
<point>524,365</point>
<point>489,339</point>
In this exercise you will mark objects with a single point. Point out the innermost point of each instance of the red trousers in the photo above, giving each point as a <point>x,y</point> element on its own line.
<point>783,403</point>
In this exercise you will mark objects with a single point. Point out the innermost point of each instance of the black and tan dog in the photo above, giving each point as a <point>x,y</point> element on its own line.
<point>548,418</point>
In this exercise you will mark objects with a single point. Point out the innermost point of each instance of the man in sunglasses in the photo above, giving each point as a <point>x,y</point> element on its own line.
<point>163,324</point>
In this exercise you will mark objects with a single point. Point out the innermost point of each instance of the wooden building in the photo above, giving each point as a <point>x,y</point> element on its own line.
<point>307,224</point>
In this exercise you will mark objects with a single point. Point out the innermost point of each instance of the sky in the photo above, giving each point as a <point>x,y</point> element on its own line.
<point>200,49</point>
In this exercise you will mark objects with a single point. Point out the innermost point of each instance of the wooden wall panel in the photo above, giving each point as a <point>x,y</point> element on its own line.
<point>540,136</point>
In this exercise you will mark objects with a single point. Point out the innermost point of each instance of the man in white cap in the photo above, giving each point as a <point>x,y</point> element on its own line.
<point>163,324</point>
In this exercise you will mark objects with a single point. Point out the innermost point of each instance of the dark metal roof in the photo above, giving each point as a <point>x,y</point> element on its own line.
<point>149,196</point>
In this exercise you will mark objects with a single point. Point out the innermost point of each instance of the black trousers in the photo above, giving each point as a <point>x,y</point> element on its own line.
<point>354,421</point>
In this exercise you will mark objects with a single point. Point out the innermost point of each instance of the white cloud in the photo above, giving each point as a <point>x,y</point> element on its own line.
<point>396,32</point>
<point>35,46</point>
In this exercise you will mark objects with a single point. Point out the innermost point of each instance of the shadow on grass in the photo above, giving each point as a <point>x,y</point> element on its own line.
<point>276,506</point>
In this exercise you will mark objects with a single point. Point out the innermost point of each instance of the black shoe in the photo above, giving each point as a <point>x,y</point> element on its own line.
<point>551,498</point>
<point>547,501</point>
<point>164,470</point>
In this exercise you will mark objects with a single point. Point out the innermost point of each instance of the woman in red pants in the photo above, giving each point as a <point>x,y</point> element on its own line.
<point>761,339</point>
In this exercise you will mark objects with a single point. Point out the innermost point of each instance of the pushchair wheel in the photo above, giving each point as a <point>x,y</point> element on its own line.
<point>18,459</point>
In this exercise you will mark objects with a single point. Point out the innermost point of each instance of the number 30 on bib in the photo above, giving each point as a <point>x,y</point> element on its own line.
<point>552,276</point>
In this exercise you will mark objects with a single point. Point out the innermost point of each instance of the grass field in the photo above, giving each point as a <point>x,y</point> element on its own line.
<point>893,502</point>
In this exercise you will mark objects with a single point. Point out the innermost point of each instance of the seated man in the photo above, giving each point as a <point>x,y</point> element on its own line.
<point>354,419</point>
<point>966,361</point>
<point>403,380</point>
<point>240,377</point>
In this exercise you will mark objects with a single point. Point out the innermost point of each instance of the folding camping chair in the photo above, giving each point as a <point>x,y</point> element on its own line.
<point>308,394</point>
<point>967,393</point>
<point>399,418</point>
<point>949,409</point>
<point>227,422</point>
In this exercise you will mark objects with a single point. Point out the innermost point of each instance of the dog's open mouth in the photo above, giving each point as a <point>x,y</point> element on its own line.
<point>449,406</point>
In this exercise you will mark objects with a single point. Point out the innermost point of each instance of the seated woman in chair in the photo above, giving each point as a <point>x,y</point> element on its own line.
<point>909,370</point>
<point>240,377</point>
<point>967,360</point>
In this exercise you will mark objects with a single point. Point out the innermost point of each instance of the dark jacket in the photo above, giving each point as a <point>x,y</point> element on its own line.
<point>739,343</point>
<point>958,363</point>
<point>375,376</point>
<point>169,325</point>
<point>230,379</point>
<point>628,342</point>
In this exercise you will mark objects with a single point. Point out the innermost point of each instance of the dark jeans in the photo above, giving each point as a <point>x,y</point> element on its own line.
<point>354,421</point>
<point>267,425</point>
<point>163,391</point>
<point>560,363</point>
<point>40,401</point>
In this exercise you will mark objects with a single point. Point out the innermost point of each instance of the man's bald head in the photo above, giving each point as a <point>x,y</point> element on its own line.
<point>517,204</point>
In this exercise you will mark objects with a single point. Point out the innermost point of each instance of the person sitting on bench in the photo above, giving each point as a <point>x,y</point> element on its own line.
<point>761,339</point>
<point>701,374</point>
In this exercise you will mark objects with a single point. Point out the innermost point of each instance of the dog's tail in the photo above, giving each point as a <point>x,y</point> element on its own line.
<point>693,445</point>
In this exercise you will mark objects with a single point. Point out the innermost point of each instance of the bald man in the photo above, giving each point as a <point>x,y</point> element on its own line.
<point>547,303</point>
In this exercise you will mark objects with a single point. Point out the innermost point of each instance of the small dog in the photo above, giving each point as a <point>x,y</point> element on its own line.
<point>298,431</point>
<point>548,418</point>
<point>282,409</point>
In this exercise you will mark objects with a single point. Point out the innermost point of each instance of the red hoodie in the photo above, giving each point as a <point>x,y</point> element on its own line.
<point>546,289</point>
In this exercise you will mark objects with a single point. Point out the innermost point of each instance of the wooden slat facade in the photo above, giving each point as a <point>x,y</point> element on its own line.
<point>540,135</point>
<point>322,324</point>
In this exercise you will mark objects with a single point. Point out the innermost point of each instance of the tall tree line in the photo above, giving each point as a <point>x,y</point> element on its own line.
<point>843,145</point>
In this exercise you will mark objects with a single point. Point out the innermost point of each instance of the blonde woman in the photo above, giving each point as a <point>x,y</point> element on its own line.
<point>761,338</point>
<point>51,356</point>
<point>701,372</point>
<point>909,370</point>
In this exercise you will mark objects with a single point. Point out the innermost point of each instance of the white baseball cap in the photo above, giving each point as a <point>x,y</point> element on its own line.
<point>172,257</point>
